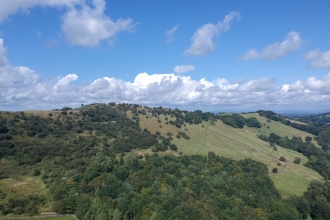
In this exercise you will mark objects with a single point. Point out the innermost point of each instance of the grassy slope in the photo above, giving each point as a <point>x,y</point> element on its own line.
<point>224,140</point>
<point>278,128</point>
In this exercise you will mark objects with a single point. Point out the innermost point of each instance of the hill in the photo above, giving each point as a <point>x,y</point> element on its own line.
<point>49,159</point>
<point>293,179</point>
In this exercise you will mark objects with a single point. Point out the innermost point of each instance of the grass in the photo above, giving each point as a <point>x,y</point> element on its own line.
<point>19,184</point>
<point>292,179</point>
<point>277,128</point>
<point>53,218</point>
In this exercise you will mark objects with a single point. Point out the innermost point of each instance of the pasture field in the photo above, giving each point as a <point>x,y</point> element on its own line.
<point>277,128</point>
<point>292,179</point>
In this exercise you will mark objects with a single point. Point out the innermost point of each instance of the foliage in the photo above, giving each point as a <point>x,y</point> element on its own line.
<point>79,154</point>
<point>185,187</point>
<point>253,122</point>
<point>234,120</point>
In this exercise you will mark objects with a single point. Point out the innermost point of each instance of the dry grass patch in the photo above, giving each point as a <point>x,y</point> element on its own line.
<point>22,186</point>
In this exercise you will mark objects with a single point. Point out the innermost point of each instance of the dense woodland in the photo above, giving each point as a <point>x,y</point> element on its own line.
<point>79,155</point>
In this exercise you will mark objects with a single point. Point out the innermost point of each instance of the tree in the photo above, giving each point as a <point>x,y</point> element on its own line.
<point>274,170</point>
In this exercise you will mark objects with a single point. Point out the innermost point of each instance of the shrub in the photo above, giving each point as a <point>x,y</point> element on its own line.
<point>59,207</point>
<point>297,160</point>
<point>173,147</point>
<point>36,172</point>
<point>30,133</point>
<point>308,139</point>
<point>274,170</point>
<point>282,159</point>
<point>42,134</point>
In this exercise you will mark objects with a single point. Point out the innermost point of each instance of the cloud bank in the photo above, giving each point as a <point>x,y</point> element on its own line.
<point>23,88</point>
<point>81,24</point>
<point>277,50</point>
<point>202,40</point>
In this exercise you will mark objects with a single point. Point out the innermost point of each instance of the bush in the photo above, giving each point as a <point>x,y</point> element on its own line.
<point>36,172</point>
<point>42,134</point>
<point>282,159</point>
<point>30,133</point>
<point>297,160</point>
<point>308,139</point>
<point>274,170</point>
<point>173,147</point>
<point>59,207</point>
<point>253,122</point>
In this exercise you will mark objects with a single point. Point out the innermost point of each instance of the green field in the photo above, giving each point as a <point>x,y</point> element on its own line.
<point>292,179</point>
<point>277,128</point>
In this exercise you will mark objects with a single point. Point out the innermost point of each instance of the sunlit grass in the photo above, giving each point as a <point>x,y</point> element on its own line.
<point>224,140</point>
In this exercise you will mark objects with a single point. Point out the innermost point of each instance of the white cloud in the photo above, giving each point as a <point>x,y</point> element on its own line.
<point>202,40</point>
<point>169,34</point>
<point>277,50</point>
<point>14,77</point>
<point>8,7</point>
<point>81,24</point>
<point>87,26</point>
<point>22,88</point>
<point>183,69</point>
<point>318,59</point>
<point>65,81</point>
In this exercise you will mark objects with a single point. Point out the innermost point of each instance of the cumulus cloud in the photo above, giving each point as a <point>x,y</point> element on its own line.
<point>202,40</point>
<point>318,59</point>
<point>276,50</point>
<point>183,69</point>
<point>23,88</point>
<point>169,34</point>
<point>81,24</point>
<point>14,77</point>
<point>88,26</point>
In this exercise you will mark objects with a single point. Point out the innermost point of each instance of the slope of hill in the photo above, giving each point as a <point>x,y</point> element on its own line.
<point>292,179</point>
<point>49,159</point>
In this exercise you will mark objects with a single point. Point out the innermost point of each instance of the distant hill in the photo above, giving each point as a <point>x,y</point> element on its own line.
<point>49,159</point>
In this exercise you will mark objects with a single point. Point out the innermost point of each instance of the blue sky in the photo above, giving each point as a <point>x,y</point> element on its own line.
<point>214,55</point>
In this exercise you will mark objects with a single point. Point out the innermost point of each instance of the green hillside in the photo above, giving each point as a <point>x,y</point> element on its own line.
<point>108,155</point>
<point>292,179</point>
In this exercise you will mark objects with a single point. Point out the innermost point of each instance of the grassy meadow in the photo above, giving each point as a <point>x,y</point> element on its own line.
<point>291,179</point>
